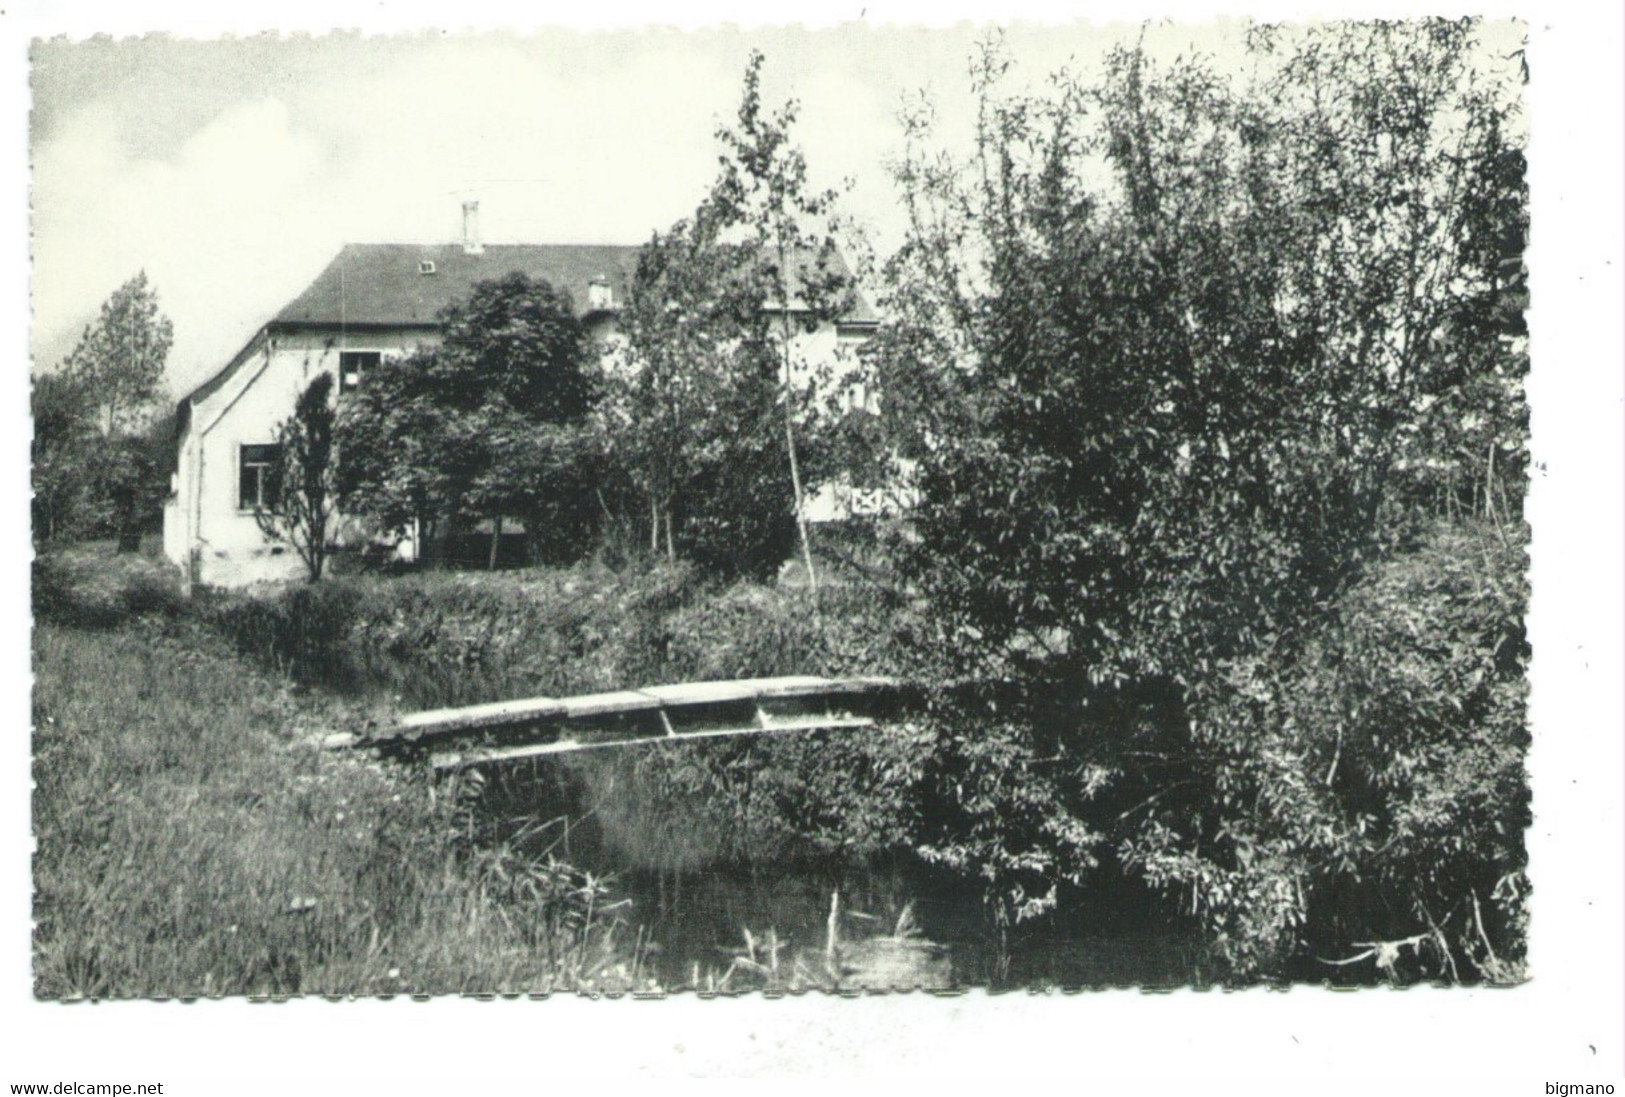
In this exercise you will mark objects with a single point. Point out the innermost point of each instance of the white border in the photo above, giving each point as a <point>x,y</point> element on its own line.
<point>1567,1026</point>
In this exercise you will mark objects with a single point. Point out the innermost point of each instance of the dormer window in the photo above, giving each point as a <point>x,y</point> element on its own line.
<point>600,298</point>
<point>426,266</point>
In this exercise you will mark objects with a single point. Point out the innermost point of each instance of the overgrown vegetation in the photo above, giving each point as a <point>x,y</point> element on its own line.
<point>711,417</point>
<point>103,449</point>
<point>489,424</point>
<point>1221,369</point>
<point>437,639</point>
<point>215,769</point>
<point>444,638</point>
<point>195,840</point>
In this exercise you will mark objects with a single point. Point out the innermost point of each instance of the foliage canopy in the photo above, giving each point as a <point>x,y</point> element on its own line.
<point>102,452</point>
<point>1188,359</point>
<point>709,413</point>
<point>488,424</point>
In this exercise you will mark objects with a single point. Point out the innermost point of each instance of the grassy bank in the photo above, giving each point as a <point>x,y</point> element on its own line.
<point>194,840</point>
<point>448,638</point>
<point>177,733</point>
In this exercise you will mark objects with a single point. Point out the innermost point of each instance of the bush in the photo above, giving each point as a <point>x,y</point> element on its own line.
<point>448,638</point>
<point>93,586</point>
<point>1367,784</point>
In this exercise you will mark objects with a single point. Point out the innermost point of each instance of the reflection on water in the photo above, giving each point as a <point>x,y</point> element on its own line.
<point>898,924</point>
<point>821,919</point>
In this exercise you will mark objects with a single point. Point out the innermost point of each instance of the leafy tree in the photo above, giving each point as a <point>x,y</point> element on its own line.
<point>761,192</point>
<point>710,386</point>
<point>101,453</point>
<point>690,413</point>
<point>1188,403</point>
<point>300,501</point>
<point>659,392</point>
<point>62,449</point>
<point>119,360</point>
<point>489,424</point>
<point>392,453</point>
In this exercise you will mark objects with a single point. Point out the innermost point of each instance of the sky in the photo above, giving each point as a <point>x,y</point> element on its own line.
<point>232,170</point>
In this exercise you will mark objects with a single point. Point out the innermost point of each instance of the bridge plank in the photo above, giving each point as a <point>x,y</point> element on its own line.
<point>667,700</point>
<point>443,721</point>
<point>606,704</point>
<point>473,756</point>
<point>738,689</point>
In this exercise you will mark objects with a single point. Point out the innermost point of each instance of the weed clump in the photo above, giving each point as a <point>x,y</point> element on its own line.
<point>93,586</point>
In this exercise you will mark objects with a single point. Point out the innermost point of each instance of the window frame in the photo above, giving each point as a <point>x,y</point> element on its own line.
<point>363,360</point>
<point>263,458</point>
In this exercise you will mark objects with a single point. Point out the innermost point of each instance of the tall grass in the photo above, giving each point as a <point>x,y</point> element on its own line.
<point>449,638</point>
<point>95,586</point>
<point>328,872</point>
<point>193,839</point>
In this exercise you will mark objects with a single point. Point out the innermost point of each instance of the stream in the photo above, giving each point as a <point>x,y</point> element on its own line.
<point>832,921</point>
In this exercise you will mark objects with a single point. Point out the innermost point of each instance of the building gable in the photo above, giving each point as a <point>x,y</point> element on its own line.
<point>408,286</point>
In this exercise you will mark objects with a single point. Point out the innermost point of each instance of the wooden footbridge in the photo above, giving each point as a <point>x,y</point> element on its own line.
<point>537,727</point>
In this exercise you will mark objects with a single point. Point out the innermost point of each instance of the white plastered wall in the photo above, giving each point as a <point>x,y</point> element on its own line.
<point>207,531</point>
<point>204,525</point>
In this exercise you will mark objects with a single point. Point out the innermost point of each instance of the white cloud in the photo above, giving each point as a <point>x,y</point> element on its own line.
<point>210,226</point>
<point>604,146</point>
<point>563,137</point>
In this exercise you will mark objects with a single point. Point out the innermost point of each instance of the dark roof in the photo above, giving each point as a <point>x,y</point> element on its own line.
<point>382,284</point>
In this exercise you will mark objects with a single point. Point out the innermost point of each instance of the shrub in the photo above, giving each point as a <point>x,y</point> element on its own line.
<point>1367,783</point>
<point>446,638</point>
<point>93,586</point>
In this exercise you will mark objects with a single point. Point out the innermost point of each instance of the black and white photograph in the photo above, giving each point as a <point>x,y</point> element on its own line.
<point>863,523</point>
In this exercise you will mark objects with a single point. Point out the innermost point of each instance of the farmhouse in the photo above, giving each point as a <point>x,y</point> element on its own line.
<point>372,302</point>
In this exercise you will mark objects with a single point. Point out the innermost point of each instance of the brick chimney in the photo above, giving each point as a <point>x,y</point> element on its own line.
<point>471,229</point>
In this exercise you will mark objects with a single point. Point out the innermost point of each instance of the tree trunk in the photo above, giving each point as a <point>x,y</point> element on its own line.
<point>496,543</point>
<point>790,435</point>
<point>801,513</point>
<point>437,534</point>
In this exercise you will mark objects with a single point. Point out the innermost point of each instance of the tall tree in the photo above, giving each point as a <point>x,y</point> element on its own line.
<point>489,424</point>
<point>63,449</point>
<point>1217,337</point>
<point>119,360</point>
<point>691,407</point>
<point>710,361</point>
<point>98,465</point>
<point>762,194</point>
<point>298,503</point>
